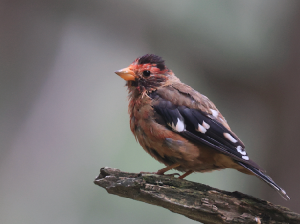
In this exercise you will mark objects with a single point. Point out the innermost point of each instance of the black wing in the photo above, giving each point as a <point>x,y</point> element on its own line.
<point>201,128</point>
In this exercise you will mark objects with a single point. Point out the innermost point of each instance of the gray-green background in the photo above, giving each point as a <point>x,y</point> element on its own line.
<point>63,111</point>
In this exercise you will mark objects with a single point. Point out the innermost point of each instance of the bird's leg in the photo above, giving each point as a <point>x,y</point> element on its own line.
<point>162,171</point>
<point>186,174</point>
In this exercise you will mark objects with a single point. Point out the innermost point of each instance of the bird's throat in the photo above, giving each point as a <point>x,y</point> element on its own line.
<point>133,83</point>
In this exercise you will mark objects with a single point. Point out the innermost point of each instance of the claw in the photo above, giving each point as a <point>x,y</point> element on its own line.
<point>172,174</point>
<point>157,173</point>
<point>141,173</point>
<point>162,171</point>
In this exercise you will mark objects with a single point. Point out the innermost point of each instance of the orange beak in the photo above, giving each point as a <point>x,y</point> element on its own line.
<point>126,74</point>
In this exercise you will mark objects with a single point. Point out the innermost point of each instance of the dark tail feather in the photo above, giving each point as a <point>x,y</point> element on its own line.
<point>265,178</point>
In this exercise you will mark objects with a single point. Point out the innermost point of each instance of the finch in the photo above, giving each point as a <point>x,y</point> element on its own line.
<point>180,127</point>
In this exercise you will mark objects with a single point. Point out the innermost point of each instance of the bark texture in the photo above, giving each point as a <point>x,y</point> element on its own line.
<point>193,200</point>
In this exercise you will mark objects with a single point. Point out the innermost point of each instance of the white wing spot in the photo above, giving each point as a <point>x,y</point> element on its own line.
<point>245,157</point>
<point>229,137</point>
<point>283,191</point>
<point>201,129</point>
<point>179,126</point>
<point>241,150</point>
<point>214,113</point>
<point>257,220</point>
<point>205,125</point>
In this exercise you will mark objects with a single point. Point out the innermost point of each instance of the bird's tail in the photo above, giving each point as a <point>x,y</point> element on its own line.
<point>265,178</point>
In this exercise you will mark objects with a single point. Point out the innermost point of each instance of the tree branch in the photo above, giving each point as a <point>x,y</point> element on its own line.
<point>193,200</point>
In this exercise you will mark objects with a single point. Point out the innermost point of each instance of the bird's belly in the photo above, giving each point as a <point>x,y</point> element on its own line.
<point>169,147</point>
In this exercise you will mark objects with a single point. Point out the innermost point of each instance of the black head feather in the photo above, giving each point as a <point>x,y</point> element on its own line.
<point>152,59</point>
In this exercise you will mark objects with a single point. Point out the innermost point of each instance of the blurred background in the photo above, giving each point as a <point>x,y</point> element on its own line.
<point>63,111</point>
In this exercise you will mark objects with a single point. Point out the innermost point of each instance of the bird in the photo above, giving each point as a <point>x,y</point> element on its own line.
<point>179,126</point>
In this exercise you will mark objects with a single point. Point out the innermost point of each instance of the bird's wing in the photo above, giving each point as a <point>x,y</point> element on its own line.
<point>195,118</point>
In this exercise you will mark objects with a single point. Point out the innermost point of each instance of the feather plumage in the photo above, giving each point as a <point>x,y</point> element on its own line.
<point>180,127</point>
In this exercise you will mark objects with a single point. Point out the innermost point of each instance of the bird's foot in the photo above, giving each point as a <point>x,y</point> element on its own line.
<point>147,173</point>
<point>186,174</point>
<point>171,174</point>
<point>162,171</point>
<point>159,173</point>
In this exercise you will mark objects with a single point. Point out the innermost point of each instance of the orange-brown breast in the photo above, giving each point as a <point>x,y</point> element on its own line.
<point>169,147</point>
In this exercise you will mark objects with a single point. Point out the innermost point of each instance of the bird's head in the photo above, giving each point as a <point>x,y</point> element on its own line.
<point>146,73</point>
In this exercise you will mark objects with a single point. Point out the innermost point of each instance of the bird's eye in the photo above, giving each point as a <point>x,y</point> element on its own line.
<point>146,73</point>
